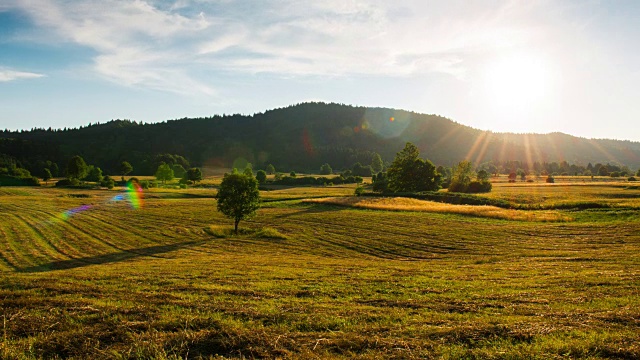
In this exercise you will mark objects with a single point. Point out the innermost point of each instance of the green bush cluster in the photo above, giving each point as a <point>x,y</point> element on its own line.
<point>7,180</point>
<point>311,180</point>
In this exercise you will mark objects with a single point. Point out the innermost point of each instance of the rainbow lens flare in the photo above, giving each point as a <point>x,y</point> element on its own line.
<point>69,213</point>
<point>134,195</point>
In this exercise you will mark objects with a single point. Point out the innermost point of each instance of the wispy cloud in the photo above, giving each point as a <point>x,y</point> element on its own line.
<point>11,75</point>
<point>169,45</point>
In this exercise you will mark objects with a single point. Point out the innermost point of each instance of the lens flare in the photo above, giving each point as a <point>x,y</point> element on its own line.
<point>134,195</point>
<point>307,142</point>
<point>69,213</point>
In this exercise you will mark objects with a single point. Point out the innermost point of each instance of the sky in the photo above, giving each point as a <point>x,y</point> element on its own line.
<point>505,66</point>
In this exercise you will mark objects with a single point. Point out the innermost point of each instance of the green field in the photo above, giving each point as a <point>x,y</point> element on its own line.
<point>110,281</point>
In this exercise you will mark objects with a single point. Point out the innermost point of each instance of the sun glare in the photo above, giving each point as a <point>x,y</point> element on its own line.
<point>517,82</point>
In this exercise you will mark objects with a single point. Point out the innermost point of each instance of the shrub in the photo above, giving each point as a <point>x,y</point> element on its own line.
<point>359,191</point>
<point>183,186</point>
<point>479,187</point>
<point>68,182</point>
<point>107,182</point>
<point>631,179</point>
<point>550,179</point>
<point>530,181</point>
<point>261,176</point>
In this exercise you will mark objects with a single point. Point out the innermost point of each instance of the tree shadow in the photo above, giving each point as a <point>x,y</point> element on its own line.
<point>312,208</point>
<point>124,255</point>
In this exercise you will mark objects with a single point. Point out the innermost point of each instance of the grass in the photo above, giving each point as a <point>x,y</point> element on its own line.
<point>408,204</point>
<point>114,282</point>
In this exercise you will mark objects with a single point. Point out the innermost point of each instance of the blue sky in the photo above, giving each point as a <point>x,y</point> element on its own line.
<point>517,66</point>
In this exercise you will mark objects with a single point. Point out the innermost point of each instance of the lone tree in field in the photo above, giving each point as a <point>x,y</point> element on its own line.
<point>77,168</point>
<point>270,169</point>
<point>326,169</point>
<point>261,176</point>
<point>194,174</point>
<point>409,173</point>
<point>164,173</point>
<point>238,197</point>
<point>125,168</point>
<point>46,175</point>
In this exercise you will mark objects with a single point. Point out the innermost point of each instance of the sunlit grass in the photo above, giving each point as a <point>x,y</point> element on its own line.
<point>407,204</point>
<point>115,282</point>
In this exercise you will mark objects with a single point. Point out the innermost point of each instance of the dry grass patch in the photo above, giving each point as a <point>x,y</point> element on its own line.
<point>407,204</point>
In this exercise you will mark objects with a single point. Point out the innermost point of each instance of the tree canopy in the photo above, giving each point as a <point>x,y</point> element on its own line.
<point>125,168</point>
<point>77,168</point>
<point>238,197</point>
<point>194,174</point>
<point>164,173</point>
<point>409,173</point>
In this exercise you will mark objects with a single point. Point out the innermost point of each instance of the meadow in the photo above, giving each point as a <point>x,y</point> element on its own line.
<point>83,274</point>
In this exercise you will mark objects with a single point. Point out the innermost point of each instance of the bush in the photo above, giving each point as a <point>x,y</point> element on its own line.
<point>359,191</point>
<point>530,181</point>
<point>6,180</point>
<point>183,186</point>
<point>68,182</point>
<point>550,179</point>
<point>107,182</point>
<point>479,187</point>
<point>512,180</point>
<point>631,179</point>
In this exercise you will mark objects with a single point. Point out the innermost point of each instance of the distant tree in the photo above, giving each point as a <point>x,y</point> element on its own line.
<point>46,175</point>
<point>238,197</point>
<point>380,183</point>
<point>178,171</point>
<point>377,165</point>
<point>261,176</point>
<point>270,169</point>
<point>461,177</point>
<point>125,168</point>
<point>164,173</point>
<point>512,176</point>
<point>77,168</point>
<point>361,170</point>
<point>248,171</point>
<point>194,174</point>
<point>550,179</point>
<point>107,182</point>
<point>326,169</point>
<point>55,170</point>
<point>492,169</point>
<point>94,174</point>
<point>603,171</point>
<point>483,175</point>
<point>409,173</point>
<point>292,174</point>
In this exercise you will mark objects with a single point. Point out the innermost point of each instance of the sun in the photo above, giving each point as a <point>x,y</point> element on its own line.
<point>517,82</point>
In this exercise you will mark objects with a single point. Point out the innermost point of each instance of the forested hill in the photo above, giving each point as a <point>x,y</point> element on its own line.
<point>303,137</point>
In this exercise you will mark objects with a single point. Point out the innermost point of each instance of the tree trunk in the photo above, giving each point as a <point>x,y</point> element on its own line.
<point>236,224</point>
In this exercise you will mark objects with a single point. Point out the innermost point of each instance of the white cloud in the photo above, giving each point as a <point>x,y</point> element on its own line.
<point>11,75</point>
<point>164,46</point>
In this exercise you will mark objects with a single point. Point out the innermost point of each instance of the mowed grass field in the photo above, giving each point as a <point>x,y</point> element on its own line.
<point>107,281</point>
